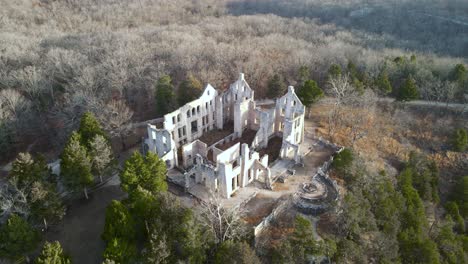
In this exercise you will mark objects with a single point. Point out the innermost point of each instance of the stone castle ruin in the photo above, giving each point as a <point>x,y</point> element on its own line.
<point>226,140</point>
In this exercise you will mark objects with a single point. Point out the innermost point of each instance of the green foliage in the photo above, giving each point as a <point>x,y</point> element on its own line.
<point>189,90</point>
<point>52,253</point>
<point>309,93</point>
<point>157,250</point>
<point>408,91</point>
<point>460,195</point>
<point>17,237</point>
<point>26,170</point>
<point>417,249</point>
<point>387,204</point>
<point>33,176</point>
<point>450,245</point>
<point>460,140</point>
<point>184,236</point>
<point>343,160</point>
<point>415,245</point>
<point>164,95</point>
<point>149,172</point>
<point>6,138</point>
<point>383,83</point>
<point>230,252</point>
<point>119,223</point>
<point>75,165</point>
<point>334,71</point>
<point>276,86</point>
<point>120,251</point>
<point>454,213</point>
<point>303,74</point>
<point>425,176</point>
<point>89,129</point>
<point>459,74</point>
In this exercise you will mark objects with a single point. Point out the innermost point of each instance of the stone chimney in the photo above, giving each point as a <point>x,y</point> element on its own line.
<point>290,89</point>
<point>241,76</point>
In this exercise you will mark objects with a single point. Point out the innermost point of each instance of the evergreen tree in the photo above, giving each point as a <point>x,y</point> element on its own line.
<point>230,252</point>
<point>309,93</point>
<point>343,160</point>
<point>119,223</point>
<point>454,213</point>
<point>17,238</point>
<point>89,128</point>
<point>303,74</point>
<point>334,71</point>
<point>460,140</point>
<point>75,165</point>
<point>383,84</point>
<point>149,172</point>
<point>120,251</point>
<point>189,90</point>
<point>7,136</point>
<point>450,245</point>
<point>276,87</point>
<point>52,253</point>
<point>164,95</point>
<point>409,91</point>
<point>460,195</point>
<point>33,176</point>
<point>459,74</point>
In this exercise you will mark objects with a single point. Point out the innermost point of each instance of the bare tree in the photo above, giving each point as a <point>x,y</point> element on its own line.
<point>224,223</point>
<point>116,119</point>
<point>101,155</point>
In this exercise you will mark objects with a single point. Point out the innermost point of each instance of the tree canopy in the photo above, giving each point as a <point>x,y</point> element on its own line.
<point>148,172</point>
<point>52,253</point>
<point>164,95</point>
<point>75,164</point>
<point>276,86</point>
<point>189,90</point>
<point>17,237</point>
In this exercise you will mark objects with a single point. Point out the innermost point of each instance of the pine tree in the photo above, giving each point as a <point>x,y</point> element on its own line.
<point>119,223</point>
<point>89,128</point>
<point>408,91</point>
<point>149,172</point>
<point>383,84</point>
<point>189,90</point>
<point>120,251</point>
<point>309,93</point>
<point>334,71</point>
<point>276,87</point>
<point>460,140</point>
<point>75,165</point>
<point>17,238</point>
<point>164,95</point>
<point>459,74</point>
<point>52,253</point>
<point>303,74</point>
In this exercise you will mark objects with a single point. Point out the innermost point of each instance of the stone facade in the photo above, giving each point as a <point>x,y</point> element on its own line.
<point>234,161</point>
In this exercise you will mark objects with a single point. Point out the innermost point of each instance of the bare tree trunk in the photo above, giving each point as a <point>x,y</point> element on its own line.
<point>45,224</point>
<point>100,177</point>
<point>85,192</point>
<point>308,112</point>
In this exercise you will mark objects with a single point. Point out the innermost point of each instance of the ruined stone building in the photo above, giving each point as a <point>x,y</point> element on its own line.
<point>224,140</point>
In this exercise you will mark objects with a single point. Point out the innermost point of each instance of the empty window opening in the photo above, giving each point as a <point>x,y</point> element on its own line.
<point>188,113</point>
<point>193,111</point>
<point>198,109</point>
<point>194,126</point>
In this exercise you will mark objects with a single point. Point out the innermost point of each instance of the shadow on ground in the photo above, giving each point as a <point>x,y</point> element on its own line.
<point>80,231</point>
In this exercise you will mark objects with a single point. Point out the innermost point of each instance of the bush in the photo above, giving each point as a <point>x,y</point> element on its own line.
<point>460,140</point>
<point>343,160</point>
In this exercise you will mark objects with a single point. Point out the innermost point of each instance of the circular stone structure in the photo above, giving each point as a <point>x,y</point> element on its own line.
<point>316,197</point>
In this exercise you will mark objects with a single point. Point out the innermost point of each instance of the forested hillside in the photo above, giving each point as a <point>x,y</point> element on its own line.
<point>385,79</point>
<point>59,59</point>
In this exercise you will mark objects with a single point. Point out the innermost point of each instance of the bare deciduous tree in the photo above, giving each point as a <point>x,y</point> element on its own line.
<point>224,223</point>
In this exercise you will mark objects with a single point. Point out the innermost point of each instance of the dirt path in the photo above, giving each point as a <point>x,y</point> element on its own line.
<point>80,231</point>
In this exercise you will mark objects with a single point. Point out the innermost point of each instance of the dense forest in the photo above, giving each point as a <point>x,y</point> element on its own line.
<point>75,75</point>
<point>62,58</point>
